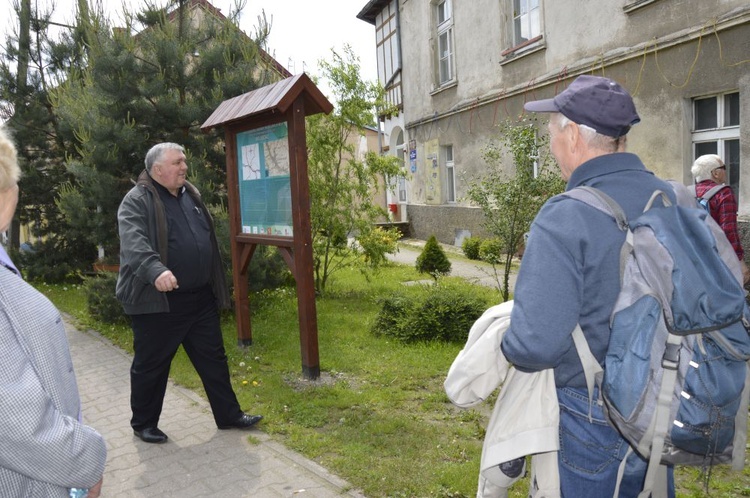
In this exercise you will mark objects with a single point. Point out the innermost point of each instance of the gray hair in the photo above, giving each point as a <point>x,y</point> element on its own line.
<point>592,138</point>
<point>704,165</point>
<point>155,153</point>
<point>10,172</point>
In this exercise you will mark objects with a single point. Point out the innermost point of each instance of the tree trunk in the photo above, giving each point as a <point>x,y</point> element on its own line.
<point>24,47</point>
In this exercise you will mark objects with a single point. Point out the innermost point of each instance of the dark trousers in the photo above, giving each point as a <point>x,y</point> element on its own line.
<point>193,321</point>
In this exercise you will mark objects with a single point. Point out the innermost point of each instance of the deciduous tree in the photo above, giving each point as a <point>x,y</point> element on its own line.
<point>343,183</point>
<point>511,201</point>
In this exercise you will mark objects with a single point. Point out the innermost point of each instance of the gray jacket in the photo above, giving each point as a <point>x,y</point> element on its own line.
<point>142,225</point>
<point>45,447</point>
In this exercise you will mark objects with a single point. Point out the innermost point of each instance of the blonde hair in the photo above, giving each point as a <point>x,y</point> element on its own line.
<point>10,172</point>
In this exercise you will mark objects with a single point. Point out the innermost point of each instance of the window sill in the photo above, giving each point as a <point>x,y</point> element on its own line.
<point>637,4</point>
<point>526,48</point>
<point>445,86</point>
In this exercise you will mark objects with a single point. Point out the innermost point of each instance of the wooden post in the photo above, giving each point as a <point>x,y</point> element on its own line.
<point>303,256</point>
<point>239,278</point>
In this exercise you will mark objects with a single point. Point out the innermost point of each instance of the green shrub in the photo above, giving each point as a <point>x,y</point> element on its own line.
<point>377,243</point>
<point>394,315</point>
<point>433,260</point>
<point>100,298</point>
<point>447,313</point>
<point>268,270</point>
<point>443,312</point>
<point>491,250</point>
<point>55,260</point>
<point>470,246</point>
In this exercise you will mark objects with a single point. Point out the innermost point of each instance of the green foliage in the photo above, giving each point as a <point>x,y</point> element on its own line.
<point>433,260</point>
<point>377,243</point>
<point>100,298</point>
<point>510,202</point>
<point>394,315</point>
<point>139,88</point>
<point>470,247</point>
<point>56,259</point>
<point>444,312</point>
<point>343,184</point>
<point>31,65</point>
<point>491,251</point>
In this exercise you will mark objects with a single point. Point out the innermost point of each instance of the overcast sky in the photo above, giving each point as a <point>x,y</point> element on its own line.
<point>303,31</point>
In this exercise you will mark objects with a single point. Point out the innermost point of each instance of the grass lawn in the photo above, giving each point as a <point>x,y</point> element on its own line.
<point>378,416</point>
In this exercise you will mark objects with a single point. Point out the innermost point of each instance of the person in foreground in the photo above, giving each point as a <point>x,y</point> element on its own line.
<point>710,171</point>
<point>570,274</point>
<point>171,284</point>
<point>46,449</point>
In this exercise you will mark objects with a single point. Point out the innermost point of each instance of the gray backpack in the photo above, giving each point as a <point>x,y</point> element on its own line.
<point>676,381</point>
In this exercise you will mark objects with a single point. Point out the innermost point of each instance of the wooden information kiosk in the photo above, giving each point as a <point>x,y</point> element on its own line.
<point>269,194</point>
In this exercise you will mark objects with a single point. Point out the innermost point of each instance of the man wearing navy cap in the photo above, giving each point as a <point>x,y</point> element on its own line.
<point>570,275</point>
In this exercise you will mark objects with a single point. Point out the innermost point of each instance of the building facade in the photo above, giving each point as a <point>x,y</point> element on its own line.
<point>456,70</point>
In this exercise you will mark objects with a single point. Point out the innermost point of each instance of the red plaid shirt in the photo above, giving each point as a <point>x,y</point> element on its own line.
<point>723,208</point>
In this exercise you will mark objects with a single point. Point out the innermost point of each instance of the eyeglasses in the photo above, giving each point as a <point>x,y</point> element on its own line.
<point>721,167</point>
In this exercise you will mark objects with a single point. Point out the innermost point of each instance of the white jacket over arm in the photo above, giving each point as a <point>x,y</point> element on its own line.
<point>526,415</point>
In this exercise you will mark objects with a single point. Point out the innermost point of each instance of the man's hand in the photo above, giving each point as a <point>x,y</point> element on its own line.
<point>166,282</point>
<point>95,490</point>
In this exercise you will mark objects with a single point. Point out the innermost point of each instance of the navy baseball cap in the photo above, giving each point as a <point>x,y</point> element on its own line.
<point>593,101</point>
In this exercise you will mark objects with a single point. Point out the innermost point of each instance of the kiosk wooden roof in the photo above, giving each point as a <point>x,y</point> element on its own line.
<point>269,100</point>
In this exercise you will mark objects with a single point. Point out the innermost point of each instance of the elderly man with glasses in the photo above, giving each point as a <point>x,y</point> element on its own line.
<point>710,175</point>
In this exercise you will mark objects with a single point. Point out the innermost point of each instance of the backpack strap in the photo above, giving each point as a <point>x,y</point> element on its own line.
<point>713,191</point>
<point>660,426</point>
<point>601,201</point>
<point>592,370</point>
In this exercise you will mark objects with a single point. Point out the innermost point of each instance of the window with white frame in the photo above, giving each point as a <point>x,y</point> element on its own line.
<point>450,174</point>
<point>445,51</point>
<point>527,21</point>
<point>716,130</point>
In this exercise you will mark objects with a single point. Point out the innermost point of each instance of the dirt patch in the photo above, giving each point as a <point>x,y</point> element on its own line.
<point>326,379</point>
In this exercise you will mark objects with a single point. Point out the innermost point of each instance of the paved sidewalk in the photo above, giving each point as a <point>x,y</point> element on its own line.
<point>198,460</point>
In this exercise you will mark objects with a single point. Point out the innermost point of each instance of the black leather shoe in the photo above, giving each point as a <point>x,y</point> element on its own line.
<point>244,422</point>
<point>151,435</point>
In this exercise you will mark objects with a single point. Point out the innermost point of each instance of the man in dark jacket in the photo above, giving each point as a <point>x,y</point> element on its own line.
<point>171,284</point>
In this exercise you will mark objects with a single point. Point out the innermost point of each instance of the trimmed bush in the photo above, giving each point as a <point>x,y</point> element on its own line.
<point>433,260</point>
<point>393,319</point>
<point>443,312</point>
<point>470,247</point>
